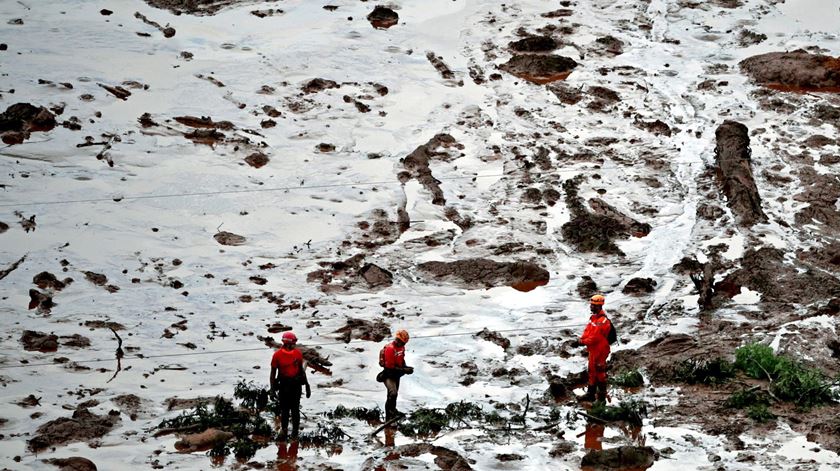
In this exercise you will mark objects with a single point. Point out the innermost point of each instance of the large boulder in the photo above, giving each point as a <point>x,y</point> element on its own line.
<point>795,71</point>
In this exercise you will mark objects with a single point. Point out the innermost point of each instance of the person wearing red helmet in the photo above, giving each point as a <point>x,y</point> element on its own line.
<point>392,359</point>
<point>596,338</point>
<point>288,374</point>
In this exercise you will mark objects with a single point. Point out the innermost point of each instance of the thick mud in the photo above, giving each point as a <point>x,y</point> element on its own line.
<point>798,71</point>
<point>84,425</point>
<point>21,119</point>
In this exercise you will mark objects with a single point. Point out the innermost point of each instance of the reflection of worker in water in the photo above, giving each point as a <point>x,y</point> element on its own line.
<point>595,337</point>
<point>287,456</point>
<point>288,375</point>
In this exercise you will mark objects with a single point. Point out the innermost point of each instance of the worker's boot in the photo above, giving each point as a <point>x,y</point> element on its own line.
<point>601,392</point>
<point>590,394</point>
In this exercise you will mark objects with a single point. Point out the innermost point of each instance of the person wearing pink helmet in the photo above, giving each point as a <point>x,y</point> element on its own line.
<point>288,375</point>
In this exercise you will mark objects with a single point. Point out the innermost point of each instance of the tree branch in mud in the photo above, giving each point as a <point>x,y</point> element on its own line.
<point>119,354</point>
<point>4,273</point>
<point>704,283</point>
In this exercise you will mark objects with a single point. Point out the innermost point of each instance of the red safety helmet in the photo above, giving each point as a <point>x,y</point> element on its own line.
<point>289,337</point>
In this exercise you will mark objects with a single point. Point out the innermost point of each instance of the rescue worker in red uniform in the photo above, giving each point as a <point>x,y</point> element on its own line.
<point>288,375</point>
<point>595,338</point>
<point>393,362</point>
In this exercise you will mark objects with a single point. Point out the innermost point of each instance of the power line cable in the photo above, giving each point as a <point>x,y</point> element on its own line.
<point>255,349</point>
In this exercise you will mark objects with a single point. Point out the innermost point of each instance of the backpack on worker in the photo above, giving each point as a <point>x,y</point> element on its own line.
<point>382,356</point>
<point>612,337</point>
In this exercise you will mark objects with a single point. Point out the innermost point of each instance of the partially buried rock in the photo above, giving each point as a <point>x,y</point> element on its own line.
<point>797,71</point>
<point>623,457</point>
<point>318,84</point>
<point>539,69</point>
<point>229,238</point>
<point>365,330</point>
<point>638,286</point>
<point>21,119</point>
<point>534,44</point>
<point>83,425</point>
<point>257,160</point>
<point>33,340</point>
<point>383,17</point>
<point>96,278</point>
<point>484,273</point>
<point>3,227</point>
<point>74,463</point>
<point>46,280</point>
<point>376,276</point>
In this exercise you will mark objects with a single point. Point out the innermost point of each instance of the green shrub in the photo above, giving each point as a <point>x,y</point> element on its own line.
<point>790,379</point>
<point>756,360</point>
<point>760,413</point>
<point>628,379</point>
<point>424,422</point>
<point>747,397</point>
<point>358,413</point>
<point>698,371</point>
<point>630,411</point>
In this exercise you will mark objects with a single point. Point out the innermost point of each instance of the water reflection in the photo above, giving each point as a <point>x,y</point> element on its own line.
<point>287,456</point>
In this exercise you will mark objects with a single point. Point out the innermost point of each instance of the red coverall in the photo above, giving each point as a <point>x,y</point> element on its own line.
<point>595,339</point>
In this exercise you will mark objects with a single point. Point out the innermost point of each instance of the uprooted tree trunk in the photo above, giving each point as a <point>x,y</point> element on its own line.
<point>734,173</point>
<point>704,283</point>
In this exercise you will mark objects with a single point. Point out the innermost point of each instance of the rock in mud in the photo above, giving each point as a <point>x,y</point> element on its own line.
<point>639,286</point>
<point>257,160</point>
<point>75,341</point>
<point>563,448</point>
<point>656,127</point>
<point>794,71</point>
<point>229,238</point>
<point>483,273</point>
<point>587,287</point>
<point>73,463</point>
<point>3,227</point>
<point>318,84</point>
<point>623,457</point>
<point>83,425</point>
<point>383,17</point>
<point>129,404</point>
<point>539,69</point>
<point>42,301</point>
<point>204,122</point>
<point>194,7</point>
<point>376,276</point>
<point>46,280</point>
<point>38,341</point>
<point>734,173</point>
<point>445,459</point>
<point>534,44</point>
<point>21,119</point>
<point>494,337</point>
<point>610,45</point>
<point>364,330</point>
<point>202,441</point>
<point>96,278</point>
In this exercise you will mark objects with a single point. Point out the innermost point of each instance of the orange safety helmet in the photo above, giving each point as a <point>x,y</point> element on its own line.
<point>402,335</point>
<point>597,300</point>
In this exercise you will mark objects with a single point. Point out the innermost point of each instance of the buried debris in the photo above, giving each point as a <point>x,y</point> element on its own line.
<point>538,68</point>
<point>483,273</point>
<point>383,17</point>
<point>83,425</point>
<point>631,411</point>
<point>445,459</point>
<point>229,238</point>
<point>21,119</point>
<point>623,457</point>
<point>73,463</point>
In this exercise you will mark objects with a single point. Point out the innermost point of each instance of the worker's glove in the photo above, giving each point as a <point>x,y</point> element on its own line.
<point>272,393</point>
<point>408,370</point>
<point>308,391</point>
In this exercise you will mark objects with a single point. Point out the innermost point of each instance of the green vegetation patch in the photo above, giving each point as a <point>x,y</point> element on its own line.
<point>425,422</point>
<point>358,413</point>
<point>628,379</point>
<point>251,431</point>
<point>631,411</point>
<point>790,380</point>
<point>699,371</point>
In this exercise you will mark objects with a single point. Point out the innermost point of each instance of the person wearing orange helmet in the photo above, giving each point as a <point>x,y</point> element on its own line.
<point>392,359</point>
<point>596,339</point>
<point>288,375</point>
